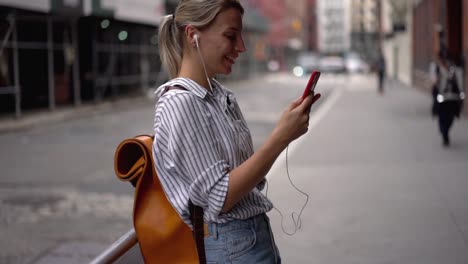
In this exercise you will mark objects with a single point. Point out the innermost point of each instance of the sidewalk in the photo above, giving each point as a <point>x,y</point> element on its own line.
<point>382,188</point>
<point>34,118</point>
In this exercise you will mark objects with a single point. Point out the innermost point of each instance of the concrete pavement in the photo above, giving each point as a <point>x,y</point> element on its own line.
<point>381,187</point>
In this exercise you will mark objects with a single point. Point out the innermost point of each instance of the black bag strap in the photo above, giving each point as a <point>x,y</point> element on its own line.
<point>196,216</point>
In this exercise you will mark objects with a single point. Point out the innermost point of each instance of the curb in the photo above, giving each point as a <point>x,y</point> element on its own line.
<point>36,118</point>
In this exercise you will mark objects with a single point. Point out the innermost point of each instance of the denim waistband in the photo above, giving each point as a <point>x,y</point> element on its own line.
<point>254,222</point>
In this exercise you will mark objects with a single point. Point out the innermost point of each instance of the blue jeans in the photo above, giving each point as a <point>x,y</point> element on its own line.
<point>242,241</point>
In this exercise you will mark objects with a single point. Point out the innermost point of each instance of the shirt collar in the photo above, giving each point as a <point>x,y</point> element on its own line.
<point>195,88</point>
<point>190,85</point>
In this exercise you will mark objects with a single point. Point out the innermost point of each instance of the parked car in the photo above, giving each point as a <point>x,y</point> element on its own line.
<point>308,62</point>
<point>332,64</point>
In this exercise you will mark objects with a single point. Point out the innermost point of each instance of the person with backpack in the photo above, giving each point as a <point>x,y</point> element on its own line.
<point>447,94</point>
<point>203,151</point>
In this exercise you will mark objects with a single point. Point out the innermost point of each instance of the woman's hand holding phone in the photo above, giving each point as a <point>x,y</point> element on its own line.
<point>295,119</point>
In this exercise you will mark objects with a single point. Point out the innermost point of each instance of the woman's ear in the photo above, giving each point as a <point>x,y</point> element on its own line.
<point>192,35</point>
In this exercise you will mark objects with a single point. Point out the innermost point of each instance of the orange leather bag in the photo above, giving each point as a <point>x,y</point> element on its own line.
<point>161,233</point>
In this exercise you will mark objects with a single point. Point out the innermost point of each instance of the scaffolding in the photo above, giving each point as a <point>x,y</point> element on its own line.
<point>105,77</point>
<point>11,41</point>
<point>15,88</point>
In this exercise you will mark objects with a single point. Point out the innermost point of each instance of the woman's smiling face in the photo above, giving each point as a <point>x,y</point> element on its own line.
<point>221,43</point>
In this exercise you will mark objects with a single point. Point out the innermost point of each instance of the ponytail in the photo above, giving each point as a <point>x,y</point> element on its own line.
<point>170,46</point>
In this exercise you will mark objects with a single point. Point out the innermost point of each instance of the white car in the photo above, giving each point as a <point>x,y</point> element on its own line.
<point>332,64</point>
<point>308,61</point>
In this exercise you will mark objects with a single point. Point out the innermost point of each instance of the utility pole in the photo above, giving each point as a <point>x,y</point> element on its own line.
<point>362,48</point>
<point>380,26</point>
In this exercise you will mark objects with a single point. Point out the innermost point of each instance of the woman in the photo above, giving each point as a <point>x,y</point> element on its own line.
<point>204,150</point>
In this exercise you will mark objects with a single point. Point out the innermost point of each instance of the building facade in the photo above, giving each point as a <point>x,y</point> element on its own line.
<point>334,29</point>
<point>56,53</point>
<point>429,18</point>
<point>65,52</point>
<point>312,25</point>
<point>364,17</point>
<point>396,33</point>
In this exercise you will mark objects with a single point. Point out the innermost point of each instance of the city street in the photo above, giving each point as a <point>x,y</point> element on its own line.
<point>381,187</point>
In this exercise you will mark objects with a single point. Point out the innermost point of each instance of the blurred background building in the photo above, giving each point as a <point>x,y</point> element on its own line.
<point>333,17</point>
<point>396,36</point>
<point>364,27</point>
<point>66,52</point>
<point>430,16</point>
<point>288,34</point>
<point>410,39</point>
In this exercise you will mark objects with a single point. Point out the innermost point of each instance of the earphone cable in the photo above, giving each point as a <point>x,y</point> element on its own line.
<point>203,64</point>
<point>296,220</point>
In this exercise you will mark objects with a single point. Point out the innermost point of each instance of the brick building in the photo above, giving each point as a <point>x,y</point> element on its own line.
<point>429,16</point>
<point>291,28</point>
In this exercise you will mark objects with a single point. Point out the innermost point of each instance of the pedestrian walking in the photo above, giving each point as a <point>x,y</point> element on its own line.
<point>203,149</point>
<point>381,68</point>
<point>447,94</point>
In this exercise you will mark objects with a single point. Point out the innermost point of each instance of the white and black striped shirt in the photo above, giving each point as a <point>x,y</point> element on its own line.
<point>199,138</point>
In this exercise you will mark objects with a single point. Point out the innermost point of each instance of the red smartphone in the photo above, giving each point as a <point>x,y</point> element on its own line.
<point>311,84</point>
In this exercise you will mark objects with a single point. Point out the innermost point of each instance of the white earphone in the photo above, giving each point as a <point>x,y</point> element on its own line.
<point>196,37</point>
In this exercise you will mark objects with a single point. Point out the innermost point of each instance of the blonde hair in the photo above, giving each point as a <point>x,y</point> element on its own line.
<point>197,13</point>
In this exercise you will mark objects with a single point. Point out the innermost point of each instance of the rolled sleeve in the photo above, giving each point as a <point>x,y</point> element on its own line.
<point>211,193</point>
